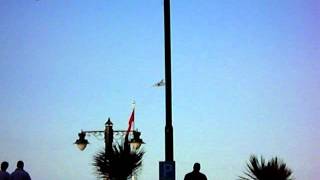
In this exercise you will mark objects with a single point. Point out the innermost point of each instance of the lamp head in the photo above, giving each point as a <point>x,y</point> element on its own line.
<point>136,142</point>
<point>81,142</point>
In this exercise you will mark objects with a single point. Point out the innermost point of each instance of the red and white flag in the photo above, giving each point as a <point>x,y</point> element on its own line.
<point>131,121</point>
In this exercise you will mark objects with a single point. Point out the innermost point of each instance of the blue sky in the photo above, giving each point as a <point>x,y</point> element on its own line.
<point>245,81</point>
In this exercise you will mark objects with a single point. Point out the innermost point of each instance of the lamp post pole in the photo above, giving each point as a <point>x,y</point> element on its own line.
<point>168,89</point>
<point>167,167</point>
<point>108,137</point>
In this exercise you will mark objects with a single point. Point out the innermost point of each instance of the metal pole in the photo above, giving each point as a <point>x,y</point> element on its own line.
<point>108,140</point>
<point>108,137</point>
<point>167,41</point>
<point>167,167</point>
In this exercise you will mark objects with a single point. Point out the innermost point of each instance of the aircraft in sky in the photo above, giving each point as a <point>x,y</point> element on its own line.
<point>160,83</point>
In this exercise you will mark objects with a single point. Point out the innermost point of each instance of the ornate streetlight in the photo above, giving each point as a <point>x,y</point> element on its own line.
<point>135,141</point>
<point>113,162</point>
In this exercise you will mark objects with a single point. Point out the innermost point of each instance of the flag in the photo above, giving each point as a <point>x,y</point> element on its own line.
<point>131,121</point>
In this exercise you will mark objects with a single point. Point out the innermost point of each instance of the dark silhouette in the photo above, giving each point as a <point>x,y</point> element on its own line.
<point>20,173</point>
<point>120,164</point>
<point>4,175</point>
<point>195,174</point>
<point>275,169</point>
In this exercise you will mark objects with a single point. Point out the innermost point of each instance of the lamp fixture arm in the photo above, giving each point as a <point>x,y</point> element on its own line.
<point>115,131</point>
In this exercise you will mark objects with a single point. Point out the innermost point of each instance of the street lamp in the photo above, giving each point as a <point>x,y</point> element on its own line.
<point>81,142</point>
<point>135,142</point>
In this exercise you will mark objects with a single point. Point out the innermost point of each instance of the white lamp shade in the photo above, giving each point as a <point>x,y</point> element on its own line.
<point>135,145</point>
<point>82,146</point>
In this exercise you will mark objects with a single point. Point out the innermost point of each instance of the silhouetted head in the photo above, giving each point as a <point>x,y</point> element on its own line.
<point>20,164</point>
<point>196,167</point>
<point>4,166</point>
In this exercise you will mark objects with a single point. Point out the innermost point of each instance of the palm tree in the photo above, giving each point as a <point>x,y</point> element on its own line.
<point>120,164</point>
<point>274,169</point>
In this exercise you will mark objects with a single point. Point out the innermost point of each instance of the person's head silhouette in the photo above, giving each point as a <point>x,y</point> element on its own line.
<point>4,166</point>
<point>20,164</point>
<point>196,167</point>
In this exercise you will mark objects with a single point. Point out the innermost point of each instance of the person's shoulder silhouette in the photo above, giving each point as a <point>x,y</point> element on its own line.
<point>20,173</point>
<point>195,174</point>
<point>4,175</point>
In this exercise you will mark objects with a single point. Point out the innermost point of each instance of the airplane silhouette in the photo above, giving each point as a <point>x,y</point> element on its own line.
<point>160,83</point>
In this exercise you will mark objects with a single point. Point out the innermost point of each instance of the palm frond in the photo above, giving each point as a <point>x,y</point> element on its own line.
<point>274,169</point>
<point>120,164</point>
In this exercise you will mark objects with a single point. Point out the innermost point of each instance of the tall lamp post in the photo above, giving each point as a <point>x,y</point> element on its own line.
<point>167,167</point>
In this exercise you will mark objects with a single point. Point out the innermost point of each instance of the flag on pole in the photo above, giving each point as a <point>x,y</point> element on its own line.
<point>131,121</point>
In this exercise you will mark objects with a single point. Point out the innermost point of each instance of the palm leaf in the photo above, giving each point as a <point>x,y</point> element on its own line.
<point>274,169</point>
<point>120,164</point>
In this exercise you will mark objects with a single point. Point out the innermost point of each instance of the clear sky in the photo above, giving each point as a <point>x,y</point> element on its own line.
<point>246,80</point>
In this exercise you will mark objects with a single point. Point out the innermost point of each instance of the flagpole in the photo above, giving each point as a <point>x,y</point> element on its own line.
<point>133,109</point>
